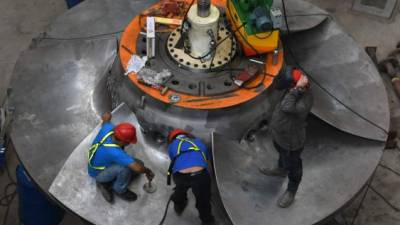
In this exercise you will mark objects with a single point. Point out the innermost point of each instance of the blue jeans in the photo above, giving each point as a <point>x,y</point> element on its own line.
<point>120,176</point>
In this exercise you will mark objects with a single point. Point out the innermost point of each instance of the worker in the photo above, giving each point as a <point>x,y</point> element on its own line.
<point>189,168</point>
<point>110,165</point>
<point>288,128</point>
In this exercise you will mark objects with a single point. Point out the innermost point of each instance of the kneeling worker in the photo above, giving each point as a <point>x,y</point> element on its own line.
<point>189,168</point>
<point>110,165</point>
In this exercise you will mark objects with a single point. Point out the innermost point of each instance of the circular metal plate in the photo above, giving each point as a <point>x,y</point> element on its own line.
<point>149,188</point>
<point>223,55</point>
<point>197,89</point>
<point>81,65</point>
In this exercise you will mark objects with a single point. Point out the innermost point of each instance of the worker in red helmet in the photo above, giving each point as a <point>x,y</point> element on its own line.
<point>288,128</point>
<point>110,165</point>
<point>189,169</point>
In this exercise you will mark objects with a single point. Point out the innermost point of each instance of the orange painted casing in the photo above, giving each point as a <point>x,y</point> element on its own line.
<point>127,47</point>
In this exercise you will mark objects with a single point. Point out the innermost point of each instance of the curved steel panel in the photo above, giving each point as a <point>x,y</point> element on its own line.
<point>53,95</point>
<point>302,15</point>
<point>339,67</point>
<point>336,166</point>
<point>97,17</point>
<point>73,181</point>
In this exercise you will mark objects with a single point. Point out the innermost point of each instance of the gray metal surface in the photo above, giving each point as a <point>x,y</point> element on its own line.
<point>94,17</point>
<point>155,116</point>
<point>336,166</point>
<point>59,91</point>
<point>55,92</point>
<point>97,17</point>
<point>59,86</point>
<point>348,90</point>
<point>77,191</point>
<point>302,15</point>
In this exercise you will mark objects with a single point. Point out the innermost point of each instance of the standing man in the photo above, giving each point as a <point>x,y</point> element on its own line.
<point>288,128</point>
<point>110,165</point>
<point>189,168</point>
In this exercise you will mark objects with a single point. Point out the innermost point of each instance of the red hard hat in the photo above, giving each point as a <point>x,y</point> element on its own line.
<point>296,75</point>
<point>125,132</point>
<point>175,133</point>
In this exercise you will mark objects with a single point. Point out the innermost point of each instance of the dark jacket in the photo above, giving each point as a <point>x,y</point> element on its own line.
<point>288,123</point>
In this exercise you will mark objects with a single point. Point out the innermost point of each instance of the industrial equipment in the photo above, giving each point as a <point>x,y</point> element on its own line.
<point>208,69</point>
<point>257,24</point>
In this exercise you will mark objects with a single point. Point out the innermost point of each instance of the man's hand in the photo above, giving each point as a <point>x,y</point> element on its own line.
<point>106,117</point>
<point>138,167</point>
<point>303,82</point>
<point>149,174</point>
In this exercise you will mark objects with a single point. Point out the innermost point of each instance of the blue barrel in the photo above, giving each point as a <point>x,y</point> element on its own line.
<point>34,207</point>
<point>72,3</point>
<point>2,154</point>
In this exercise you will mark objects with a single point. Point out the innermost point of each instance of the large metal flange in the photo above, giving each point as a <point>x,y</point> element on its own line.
<point>186,78</point>
<point>225,51</point>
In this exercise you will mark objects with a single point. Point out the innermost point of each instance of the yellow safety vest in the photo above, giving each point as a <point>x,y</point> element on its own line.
<point>193,148</point>
<point>96,146</point>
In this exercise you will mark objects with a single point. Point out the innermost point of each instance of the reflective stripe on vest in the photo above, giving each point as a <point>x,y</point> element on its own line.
<point>194,148</point>
<point>96,146</point>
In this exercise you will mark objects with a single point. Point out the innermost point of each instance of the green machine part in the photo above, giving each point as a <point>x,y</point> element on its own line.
<point>244,9</point>
<point>249,5</point>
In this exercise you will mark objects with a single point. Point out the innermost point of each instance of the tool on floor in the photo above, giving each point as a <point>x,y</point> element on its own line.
<point>149,187</point>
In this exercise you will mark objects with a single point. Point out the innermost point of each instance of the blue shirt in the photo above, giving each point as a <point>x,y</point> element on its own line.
<point>191,159</point>
<point>107,156</point>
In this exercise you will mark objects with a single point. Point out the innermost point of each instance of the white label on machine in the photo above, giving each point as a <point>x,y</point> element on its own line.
<point>151,37</point>
<point>276,17</point>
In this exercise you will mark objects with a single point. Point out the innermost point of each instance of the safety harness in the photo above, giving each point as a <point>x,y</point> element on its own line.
<point>193,148</point>
<point>96,146</point>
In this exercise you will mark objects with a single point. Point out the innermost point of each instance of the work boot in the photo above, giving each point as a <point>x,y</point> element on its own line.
<point>286,199</point>
<point>128,195</point>
<point>208,223</point>
<point>106,191</point>
<point>179,208</point>
<point>275,172</point>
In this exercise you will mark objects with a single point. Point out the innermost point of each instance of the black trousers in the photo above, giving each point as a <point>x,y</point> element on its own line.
<point>291,161</point>
<point>201,188</point>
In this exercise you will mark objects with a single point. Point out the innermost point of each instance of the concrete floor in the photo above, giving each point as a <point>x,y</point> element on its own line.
<point>379,204</point>
<point>367,30</point>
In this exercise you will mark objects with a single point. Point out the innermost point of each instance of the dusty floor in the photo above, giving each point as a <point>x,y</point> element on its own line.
<point>379,204</point>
